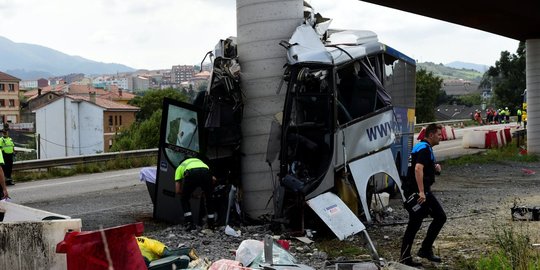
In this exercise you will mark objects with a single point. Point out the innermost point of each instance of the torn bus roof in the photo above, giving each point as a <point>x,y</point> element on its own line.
<point>342,46</point>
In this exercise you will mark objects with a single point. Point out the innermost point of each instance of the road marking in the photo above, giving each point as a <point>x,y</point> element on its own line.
<point>110,208</point>
<point>40,184</point>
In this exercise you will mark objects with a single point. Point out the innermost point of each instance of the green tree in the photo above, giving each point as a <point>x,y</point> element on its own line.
<point>470,100</point>
<point>144,133</point>
<point>153,101</point>
<point>507,78</point>
<point>428,89</point>
<point>141,135</point>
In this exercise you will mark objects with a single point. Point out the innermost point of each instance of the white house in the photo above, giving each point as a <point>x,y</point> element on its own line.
<point>74,125</point>
<point>69,127</point>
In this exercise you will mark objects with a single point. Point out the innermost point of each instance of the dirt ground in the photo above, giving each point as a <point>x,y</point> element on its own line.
<point>477,199</point>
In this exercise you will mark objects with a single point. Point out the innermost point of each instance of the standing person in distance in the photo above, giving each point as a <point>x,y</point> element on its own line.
<point>420,177</point>
<point>8,151</point>
<point>3,186</point>
<point>190,174</point>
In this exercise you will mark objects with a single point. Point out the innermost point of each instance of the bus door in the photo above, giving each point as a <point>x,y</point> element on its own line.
<point>180,137</point>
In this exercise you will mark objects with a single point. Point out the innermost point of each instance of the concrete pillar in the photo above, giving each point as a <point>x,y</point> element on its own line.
<point>532,71</point>
<point>261,25</point>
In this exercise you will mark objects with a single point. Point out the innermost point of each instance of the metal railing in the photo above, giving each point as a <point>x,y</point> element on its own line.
<point>453,121</point>
<point>75,160</point>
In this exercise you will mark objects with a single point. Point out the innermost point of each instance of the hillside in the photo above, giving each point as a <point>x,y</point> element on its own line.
<point>29,61</point>
<point>465,65</point>
<point>449,73</point>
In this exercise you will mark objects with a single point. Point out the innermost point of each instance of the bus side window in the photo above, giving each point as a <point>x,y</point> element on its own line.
<point>357,94</point>
<point>365,94</point>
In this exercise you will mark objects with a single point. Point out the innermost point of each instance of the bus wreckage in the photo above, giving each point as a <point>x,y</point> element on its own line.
<point>345,132</point>
<point>347,122</point>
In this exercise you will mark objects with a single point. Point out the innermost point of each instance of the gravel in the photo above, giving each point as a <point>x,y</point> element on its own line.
<point>477,199</point>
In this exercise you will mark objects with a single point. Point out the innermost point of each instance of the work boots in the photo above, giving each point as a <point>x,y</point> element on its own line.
<point>410,262</point>
<point>428,254</point>
<point>188,223</point>
<point>210,223</point>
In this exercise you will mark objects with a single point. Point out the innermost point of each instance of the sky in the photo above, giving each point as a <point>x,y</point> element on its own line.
<point>156,34</point>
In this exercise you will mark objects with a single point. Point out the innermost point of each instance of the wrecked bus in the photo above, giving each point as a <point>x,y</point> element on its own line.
<point>347,122</point>
<point>346,126</point>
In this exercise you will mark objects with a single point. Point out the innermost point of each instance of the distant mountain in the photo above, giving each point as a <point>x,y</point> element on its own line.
<point>29,62</point>
<point>465,65</point>
<point>450,73</point>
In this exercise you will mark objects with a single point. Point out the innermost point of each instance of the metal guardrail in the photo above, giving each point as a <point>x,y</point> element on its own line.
<point>66,161</point>
<point>453,121</point>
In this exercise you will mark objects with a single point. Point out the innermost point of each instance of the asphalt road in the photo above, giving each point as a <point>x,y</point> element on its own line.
<point>118,197</point>
<point>453,148</point>
<point>101,199</point>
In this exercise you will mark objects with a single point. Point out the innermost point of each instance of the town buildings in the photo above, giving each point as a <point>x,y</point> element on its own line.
<point>77,114</point>
<point>9,98</point>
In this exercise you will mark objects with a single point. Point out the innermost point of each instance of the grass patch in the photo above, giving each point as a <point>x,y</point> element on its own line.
<point>509,152</point>
<point>116,164</point>
<point>336,248</point>
<point>513,250</point>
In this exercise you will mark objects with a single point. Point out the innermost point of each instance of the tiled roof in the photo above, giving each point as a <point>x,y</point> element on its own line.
<point>115,95</point>
<point>59,88</point>
<point>106,104</point>
<point>7,77</point>
<point>75,89</point>
<point>448,112</point>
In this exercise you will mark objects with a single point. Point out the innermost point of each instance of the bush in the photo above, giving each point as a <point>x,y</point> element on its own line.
<point>513,250</point>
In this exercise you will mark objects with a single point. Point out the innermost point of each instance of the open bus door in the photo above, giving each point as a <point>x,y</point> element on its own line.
<point>180,137</point>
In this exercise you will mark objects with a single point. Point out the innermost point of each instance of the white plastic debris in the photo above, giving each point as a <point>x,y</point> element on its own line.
<point>248,251</point>
<point>230,231</point>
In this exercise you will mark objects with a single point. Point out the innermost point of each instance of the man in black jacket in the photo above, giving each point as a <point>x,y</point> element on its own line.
<point>420,177</point>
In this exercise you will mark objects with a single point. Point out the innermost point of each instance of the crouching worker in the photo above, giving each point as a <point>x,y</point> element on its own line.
<point>190,174</point>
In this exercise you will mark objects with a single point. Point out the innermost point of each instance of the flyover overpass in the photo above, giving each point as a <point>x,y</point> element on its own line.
<point>514,19</point>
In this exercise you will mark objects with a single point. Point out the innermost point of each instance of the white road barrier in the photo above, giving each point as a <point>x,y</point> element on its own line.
<point>29,237</point>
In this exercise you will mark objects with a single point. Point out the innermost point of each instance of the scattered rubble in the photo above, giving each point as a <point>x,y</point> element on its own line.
<point>475,197</point>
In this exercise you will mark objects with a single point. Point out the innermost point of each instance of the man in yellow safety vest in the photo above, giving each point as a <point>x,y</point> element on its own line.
<point>8,150</point>
<point>190,174</point>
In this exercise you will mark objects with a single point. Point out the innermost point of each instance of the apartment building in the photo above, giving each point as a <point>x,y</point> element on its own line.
<point>9,98</point>
<point>182,73</point>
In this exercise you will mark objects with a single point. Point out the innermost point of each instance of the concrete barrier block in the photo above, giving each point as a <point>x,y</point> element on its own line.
<point>474,139</point>
<point>29,237</point>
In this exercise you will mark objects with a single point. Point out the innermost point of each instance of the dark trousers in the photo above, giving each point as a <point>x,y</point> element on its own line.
<point>7,167</point>
<point>431,207</point>
<point>193,179</point>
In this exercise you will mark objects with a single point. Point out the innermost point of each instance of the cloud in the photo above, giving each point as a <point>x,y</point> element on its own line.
<point>159,33</point>
<point>422,38</point>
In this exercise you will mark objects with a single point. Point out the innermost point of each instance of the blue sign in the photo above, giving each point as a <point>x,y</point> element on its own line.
<point>163,166</point>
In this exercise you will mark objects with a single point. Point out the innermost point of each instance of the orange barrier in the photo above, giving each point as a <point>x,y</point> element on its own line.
<point>447,133</point>
<point>492,140</point>
<point>507,135</point>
